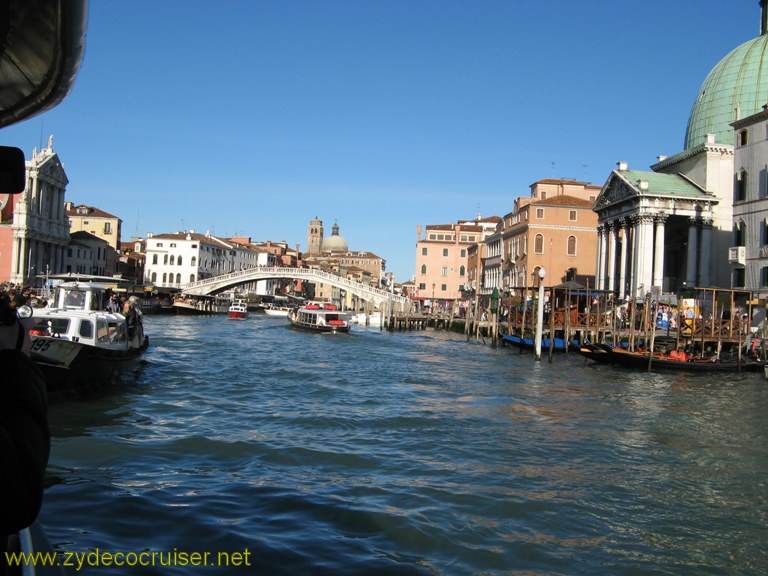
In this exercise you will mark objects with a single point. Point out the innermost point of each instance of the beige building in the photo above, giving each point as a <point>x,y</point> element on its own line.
<point>96,222</point>
<point>442,259</point>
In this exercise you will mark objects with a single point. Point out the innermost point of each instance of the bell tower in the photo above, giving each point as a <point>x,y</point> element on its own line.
<point>314,236</point>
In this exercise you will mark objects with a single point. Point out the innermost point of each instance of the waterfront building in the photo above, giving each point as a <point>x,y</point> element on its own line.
<point>748,254</point>
<point>173,260</point>
<point>130,261</point>
<point>442,274</point>
<point>34,231</point>
<point>89,255</point>
<point>553,228</point>
<point>95,221</point>
<point>681,224</point>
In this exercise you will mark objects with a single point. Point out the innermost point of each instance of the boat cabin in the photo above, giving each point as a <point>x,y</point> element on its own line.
<point>76,315</point>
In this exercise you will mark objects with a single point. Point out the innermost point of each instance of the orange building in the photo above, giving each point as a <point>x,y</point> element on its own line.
<point>555,229</point>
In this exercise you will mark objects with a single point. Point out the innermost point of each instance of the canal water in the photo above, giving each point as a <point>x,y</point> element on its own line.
<point>287,453</point>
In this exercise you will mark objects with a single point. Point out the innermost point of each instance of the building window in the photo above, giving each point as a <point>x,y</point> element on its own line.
<point>444,271</point>
<point>178,278</point>
<point>538,244</point>
<point>743,138</point>
<point>571,245</point>
<point>572,215</point>
<point>543,194</point>
<point>423,268</point>
<point>154,277</point>
<point>540,213</point>
<point>445,251</point>
<point>191,277</point>
<point>443,287</point>
<point>462,270</point>
<point>739,234</point>
<point>173,260</point>
<point>764,276</point>
<point>424,251</point>
<point>178,262</point>
<point>740,189</point>
<point>738,277</point>
<point>422,286</point>
<point>463,253</point>
<point>154,258</point>
<point>107,227</point>
<point>159,244</point>
<point>194,260</point>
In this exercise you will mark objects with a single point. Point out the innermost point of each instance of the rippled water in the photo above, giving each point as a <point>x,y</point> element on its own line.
<point>409,453</point>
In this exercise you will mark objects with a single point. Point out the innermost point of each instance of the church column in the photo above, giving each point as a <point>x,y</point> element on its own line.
<point>658,257</point>
<point>623,265</point>
<point>691,274</point>
<point>612,243</point>
<point>642,254</point>
<point>600,275</point>
<point>706,254</point>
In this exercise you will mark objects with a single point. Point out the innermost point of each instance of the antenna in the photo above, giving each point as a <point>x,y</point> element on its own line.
<point>136,235</point>
<point>554,169</point>
<point>586,172</point>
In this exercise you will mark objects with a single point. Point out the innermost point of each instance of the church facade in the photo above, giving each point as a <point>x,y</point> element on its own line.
<point>34,233</point>
<point>697,219</point>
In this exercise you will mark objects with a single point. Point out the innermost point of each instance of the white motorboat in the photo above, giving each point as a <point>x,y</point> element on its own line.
<point>80,347</point>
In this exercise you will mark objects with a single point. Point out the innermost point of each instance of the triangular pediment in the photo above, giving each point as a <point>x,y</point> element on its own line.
<point>615,191</point>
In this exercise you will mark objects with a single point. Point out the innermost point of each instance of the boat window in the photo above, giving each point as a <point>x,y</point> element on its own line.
<point>74,299</point>
<point>58,325</point>
<point>86,329</point>
<point>102,331</point>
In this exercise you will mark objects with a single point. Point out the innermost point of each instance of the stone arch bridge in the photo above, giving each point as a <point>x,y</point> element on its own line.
<point>224,282</point>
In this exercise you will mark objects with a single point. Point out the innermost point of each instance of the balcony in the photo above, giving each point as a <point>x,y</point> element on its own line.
<point>737,255</point>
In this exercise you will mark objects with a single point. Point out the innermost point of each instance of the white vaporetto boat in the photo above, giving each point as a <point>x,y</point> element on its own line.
<point>80,347</point>
<point>318,317</point>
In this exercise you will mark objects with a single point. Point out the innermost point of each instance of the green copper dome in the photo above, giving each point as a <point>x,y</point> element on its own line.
<point>740,80</point>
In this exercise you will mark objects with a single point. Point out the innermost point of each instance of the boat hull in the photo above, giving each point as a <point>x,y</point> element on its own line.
<point>73,370</point>
<point>238,315</point>
<point>560,345</point>
<point>607,354</point>
<point>320,329</point>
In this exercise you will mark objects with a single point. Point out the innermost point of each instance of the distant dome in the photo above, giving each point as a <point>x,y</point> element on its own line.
<point>740,80</point>
<point>334,242</point>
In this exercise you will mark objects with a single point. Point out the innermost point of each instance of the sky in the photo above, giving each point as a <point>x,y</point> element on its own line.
<point>251,117</point>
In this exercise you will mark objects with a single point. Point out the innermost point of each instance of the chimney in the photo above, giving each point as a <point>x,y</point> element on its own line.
<point>709,139</point>
<point>643,184</point>
<point>660,158</point>
<point>622,166</point>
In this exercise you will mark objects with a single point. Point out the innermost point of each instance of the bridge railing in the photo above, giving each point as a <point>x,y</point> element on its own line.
<point>263,272</point>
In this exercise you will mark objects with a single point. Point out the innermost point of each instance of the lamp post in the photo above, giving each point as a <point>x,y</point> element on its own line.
<point>432,309</point>
<point>539,315</point>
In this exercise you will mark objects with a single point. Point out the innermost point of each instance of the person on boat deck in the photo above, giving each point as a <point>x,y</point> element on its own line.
<point>113,305</point>
<point>133,321</point>
<point>25,439</point>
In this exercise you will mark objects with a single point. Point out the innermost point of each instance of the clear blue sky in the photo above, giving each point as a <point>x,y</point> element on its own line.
<point>252,117</point>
